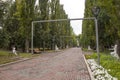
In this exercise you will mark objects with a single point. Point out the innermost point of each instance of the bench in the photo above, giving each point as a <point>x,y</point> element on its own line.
<point>36,50</point>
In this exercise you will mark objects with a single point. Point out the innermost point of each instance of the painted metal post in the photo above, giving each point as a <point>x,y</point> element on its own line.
<point>32,38</point>
<point>44,21</point>
<point>97,40</point>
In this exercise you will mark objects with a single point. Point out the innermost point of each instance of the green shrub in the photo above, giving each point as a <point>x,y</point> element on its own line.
<point>91,56</point>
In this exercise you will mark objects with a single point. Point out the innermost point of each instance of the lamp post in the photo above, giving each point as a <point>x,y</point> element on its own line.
<point>96,11</point>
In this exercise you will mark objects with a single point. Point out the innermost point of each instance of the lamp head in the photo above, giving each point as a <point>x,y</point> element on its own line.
<point>96,10</point>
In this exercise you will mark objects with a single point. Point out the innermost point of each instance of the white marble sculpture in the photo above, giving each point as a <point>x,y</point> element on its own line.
<point>56,48</point>
<point>89,48</point>
<point>114,53</point>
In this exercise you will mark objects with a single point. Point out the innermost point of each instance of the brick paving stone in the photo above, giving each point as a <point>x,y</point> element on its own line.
<point>66,65</point>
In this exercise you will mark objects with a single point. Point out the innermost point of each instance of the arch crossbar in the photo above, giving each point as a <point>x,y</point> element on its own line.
<point>58,20</point>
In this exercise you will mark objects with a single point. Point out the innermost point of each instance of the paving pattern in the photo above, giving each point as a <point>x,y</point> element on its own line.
<point>65,65</point>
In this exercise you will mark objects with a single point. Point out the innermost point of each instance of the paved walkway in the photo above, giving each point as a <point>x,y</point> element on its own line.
<point>67,65</point>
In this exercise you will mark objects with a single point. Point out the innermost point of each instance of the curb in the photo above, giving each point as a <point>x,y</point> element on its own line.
<point>24,59</point>
<point>89,70</point>
<point>6,64</point>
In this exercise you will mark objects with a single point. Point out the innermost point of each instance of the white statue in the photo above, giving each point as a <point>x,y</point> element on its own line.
<point>67,46</point>
<point>89,48</point>
<point>56,48</point>
<point>14,51</point>
<point>114,53</point>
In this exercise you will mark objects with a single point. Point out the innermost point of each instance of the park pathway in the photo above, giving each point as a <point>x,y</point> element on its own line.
<point>64,65</point>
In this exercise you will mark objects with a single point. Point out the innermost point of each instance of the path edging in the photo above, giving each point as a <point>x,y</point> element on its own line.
<point>9,63</point>
<point>89,70</point>
<point>2,65</point>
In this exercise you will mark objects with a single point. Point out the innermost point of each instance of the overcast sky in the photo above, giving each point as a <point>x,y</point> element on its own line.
<point>74,9</point>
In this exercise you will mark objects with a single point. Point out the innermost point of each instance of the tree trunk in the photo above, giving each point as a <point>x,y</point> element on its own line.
<point>118,48</point>
<point>43,45</point>
<point>51,45</point>
<point>27,45</point>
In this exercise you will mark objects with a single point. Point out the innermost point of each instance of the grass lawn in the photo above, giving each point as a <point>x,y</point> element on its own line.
<point>6,57</point>
<point>108,62</point>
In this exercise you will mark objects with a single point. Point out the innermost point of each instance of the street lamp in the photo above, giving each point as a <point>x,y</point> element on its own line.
<point>96,11</point>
